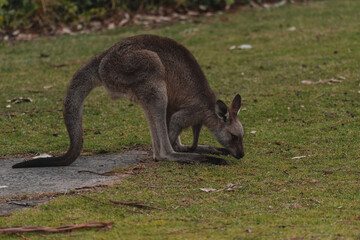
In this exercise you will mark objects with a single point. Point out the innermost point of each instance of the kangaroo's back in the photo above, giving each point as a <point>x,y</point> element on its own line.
<point>185,81</point>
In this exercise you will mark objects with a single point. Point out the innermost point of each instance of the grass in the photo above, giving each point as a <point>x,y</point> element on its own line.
<point>312,197</point>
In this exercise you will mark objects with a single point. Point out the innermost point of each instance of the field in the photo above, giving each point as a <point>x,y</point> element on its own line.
<point>300,86</point>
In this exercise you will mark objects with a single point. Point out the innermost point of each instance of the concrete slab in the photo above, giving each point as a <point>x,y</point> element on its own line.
<point>60,179</point>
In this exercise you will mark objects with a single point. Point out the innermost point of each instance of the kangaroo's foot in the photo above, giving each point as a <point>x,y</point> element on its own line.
<point>191,158</point>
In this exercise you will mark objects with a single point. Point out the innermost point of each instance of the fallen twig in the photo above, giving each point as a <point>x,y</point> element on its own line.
<point>13,131</point>
<point>134,204</point>
<point>5,214</point>
<point>28,111</point>
<point>58,65</point>
<point>108,203</point>
<point>22,236</point>
<point>21,229</point>
<point>193,230</point>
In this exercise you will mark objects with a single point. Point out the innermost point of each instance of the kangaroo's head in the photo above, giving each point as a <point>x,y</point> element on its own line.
<point>229,131</point>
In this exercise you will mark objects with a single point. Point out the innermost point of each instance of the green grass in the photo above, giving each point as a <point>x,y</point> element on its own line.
<point>316,197</point>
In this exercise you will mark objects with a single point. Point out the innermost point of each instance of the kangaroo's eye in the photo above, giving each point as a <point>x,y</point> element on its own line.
<point>234,137</point>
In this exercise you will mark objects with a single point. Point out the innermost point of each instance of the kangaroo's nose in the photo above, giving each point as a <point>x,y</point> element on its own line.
<point>240,155</point>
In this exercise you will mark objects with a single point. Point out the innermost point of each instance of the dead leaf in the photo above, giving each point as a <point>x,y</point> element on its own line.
<point>208,189</point>
<point>111,26</point>
<point>229,187</point>
<point>123,22</point>
<point>299,157</point>
<point>241,47</point>
<point>308,82</point>
<point>16,32</point>
<point>20,100</point>
<point>275,5</point>
<point>193,13</point>
<point>24,37</point>
<point>295,205</point>
<point>66,30</point>
<point>328,81</point>
<point>95,25</point>
<point>44,155</point>
<point>254,4</point>
<point>244,46</point>
<point>48,86</point>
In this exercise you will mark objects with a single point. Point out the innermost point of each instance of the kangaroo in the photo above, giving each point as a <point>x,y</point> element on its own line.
<point>164,78</point>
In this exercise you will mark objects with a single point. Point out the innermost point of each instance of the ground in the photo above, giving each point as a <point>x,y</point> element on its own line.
<point>25,187</point>
<point>301,105</point>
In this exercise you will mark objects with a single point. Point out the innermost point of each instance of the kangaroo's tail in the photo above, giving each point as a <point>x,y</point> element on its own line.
<point>81,85</point>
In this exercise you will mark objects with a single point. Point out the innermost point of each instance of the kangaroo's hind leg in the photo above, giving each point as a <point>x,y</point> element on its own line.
<point>152,97</point>
<point>155,112</point>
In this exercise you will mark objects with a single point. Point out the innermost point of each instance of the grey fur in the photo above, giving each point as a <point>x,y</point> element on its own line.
<point>168,83</point>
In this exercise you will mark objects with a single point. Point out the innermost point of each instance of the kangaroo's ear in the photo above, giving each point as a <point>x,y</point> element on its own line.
<point>221,110</point>
<point>235,105</point>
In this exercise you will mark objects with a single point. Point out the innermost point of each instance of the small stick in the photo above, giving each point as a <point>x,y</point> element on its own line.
<point>20,229</point>
<point>108,203</point>
<point>22,236</point>
<point>134,204</point>
<point>58,65</point>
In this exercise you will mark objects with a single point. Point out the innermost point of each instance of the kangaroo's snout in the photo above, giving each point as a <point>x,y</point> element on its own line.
<point>239,155</point>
